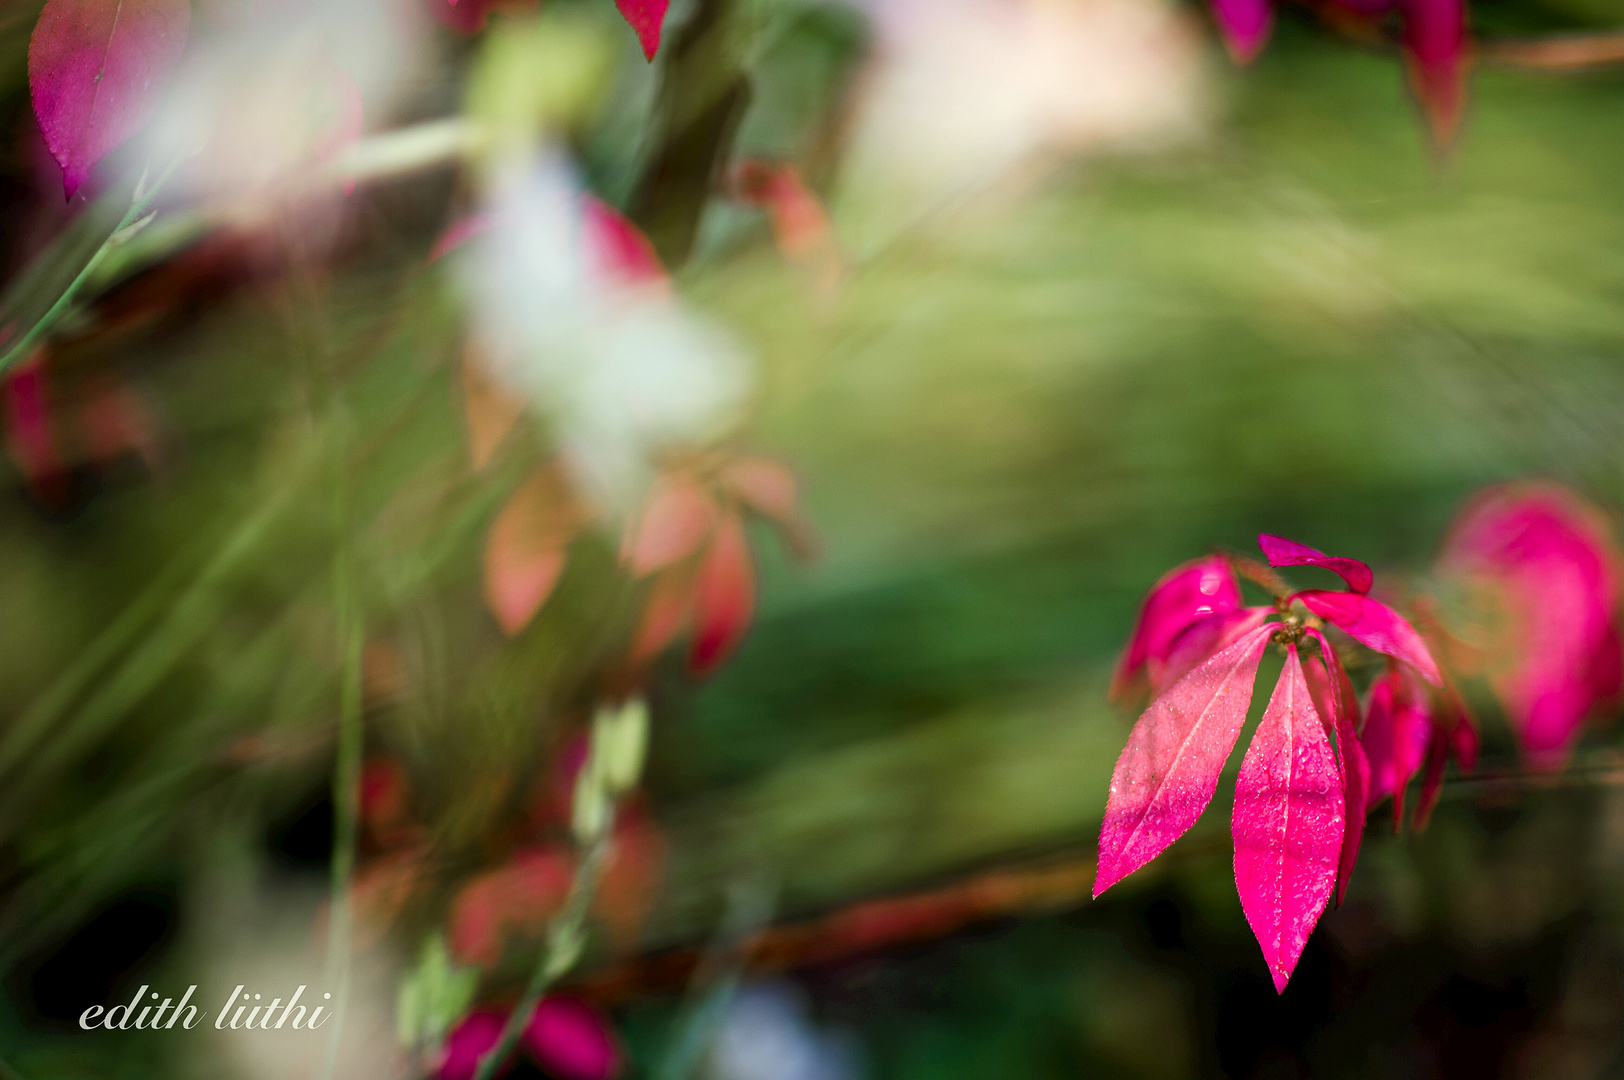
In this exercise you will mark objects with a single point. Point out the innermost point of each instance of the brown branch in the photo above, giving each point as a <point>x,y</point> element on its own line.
<point>1575,52</point>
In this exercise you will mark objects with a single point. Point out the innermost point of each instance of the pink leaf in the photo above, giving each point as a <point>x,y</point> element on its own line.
<point>770,490</point>
<point>1282,552</point>
<point>571,1040</point>
<point>1288,823</point>
<point>1433,780</point>
<point>1182,596</point>
<point>1397,732</point>
<point>1169,769</point>
<point>646,17</point>
<point>724,596</point>
<point>618,248</point>
<point>96,68</point>
<point>1201,639</point>
<point>1335,698</point>
<point>1244,25</point>
<point>473,1036</point>
<point>1435,49</point>
<point>666,611</point>
<point>1545,560</point>
<point>1373,623</point>
<point>678,517</point>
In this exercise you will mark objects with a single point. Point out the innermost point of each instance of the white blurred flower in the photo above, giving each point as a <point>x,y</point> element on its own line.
<point>964,92</point>
<point>271,89</point>
<point>621,369</point>
<point>766,1035</point>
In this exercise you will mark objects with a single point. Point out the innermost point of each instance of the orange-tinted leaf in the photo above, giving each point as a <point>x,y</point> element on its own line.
<point>724,596</point>
<point>677,518</point>
<point>771,490</point>
<point>665,613</point>
<point>491,409</point>
<point>525,551</point>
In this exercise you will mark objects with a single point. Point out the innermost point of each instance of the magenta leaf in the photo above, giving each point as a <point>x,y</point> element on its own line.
<point>646,17</point>
<point>1435,50</point>
<point>1282,552</point>
<point>1244,25</point>
<point>1183,596</point>
<point>1352,765</point>
<point>1398,730</point>
<point>1204,637</point>
<point>1432,781</point>
<point>1169,770</point>
<point>96,68</point>
<point>1547,559</point>
<point>1288,823</point>
<point>1373,623</point>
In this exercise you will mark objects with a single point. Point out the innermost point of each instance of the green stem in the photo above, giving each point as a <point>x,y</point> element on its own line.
<point>557,956</point>
<point>138,206</point>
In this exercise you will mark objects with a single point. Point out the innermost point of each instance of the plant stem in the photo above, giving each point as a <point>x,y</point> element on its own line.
<point>559,953</point>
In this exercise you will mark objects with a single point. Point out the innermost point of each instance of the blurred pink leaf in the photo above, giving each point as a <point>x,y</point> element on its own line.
<point>474,1034</point>
<point>96,68</point>
<point>771,490</point>
<point>1288,823</point>
<point>1183,595</point>
<point>1435,53</point>
<point>515,898</point>
<point>1373,623</point>
<point>724,596</point>
<point>1546,559</point>
<point>646,18</point>
<point>572,1040</point>
<point>1244,25</point>
<point>666,612</point>
<point>620,249</point>
<point>1282,552</point>
<point>1169,770</point>
<point>679,516</point>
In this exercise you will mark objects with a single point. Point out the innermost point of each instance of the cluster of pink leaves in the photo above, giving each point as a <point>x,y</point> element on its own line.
<point>97,68</point>
<point>1302,789</point>
<point>1313,770</point>
<point>1434,43</point>
<point>565,1036</point>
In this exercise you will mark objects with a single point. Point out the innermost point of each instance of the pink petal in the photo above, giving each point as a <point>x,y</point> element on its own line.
<point>1373,623</point>
<point>724,596</point>
<point>96,69</point>
<point>571,1040</point>
<point>646,17</point>
<point>469,1040</point>
<point>1288,823</point>
<point>1244,25</point>
<point>527,546</point>
<point>1182,596</point>
<point>1432,782</point>
<point>1169,769</point>
<point>666,611</point>
<point>1338,698</point>
<point>1282,552</point>
<point>678,518</point>
<point>1434,48</point>
<point>1201,639</point>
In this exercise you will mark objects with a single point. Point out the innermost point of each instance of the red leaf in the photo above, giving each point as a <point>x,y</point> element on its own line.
<point>1435,49</point>
<point>1282,552</point>
<point>1397,732</point>
<point>1183,595</point>
<point>724,596</point>
<point>1432,781</point>
<point>619,249</point>
<point>525,551</point>
<point>1288,823</point>
<point>516,898</point>
<point>646,17</point>
<point>1373,623</point>
<point>1169,769</point>
<point>96,68</point>
<point>678,517</point>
